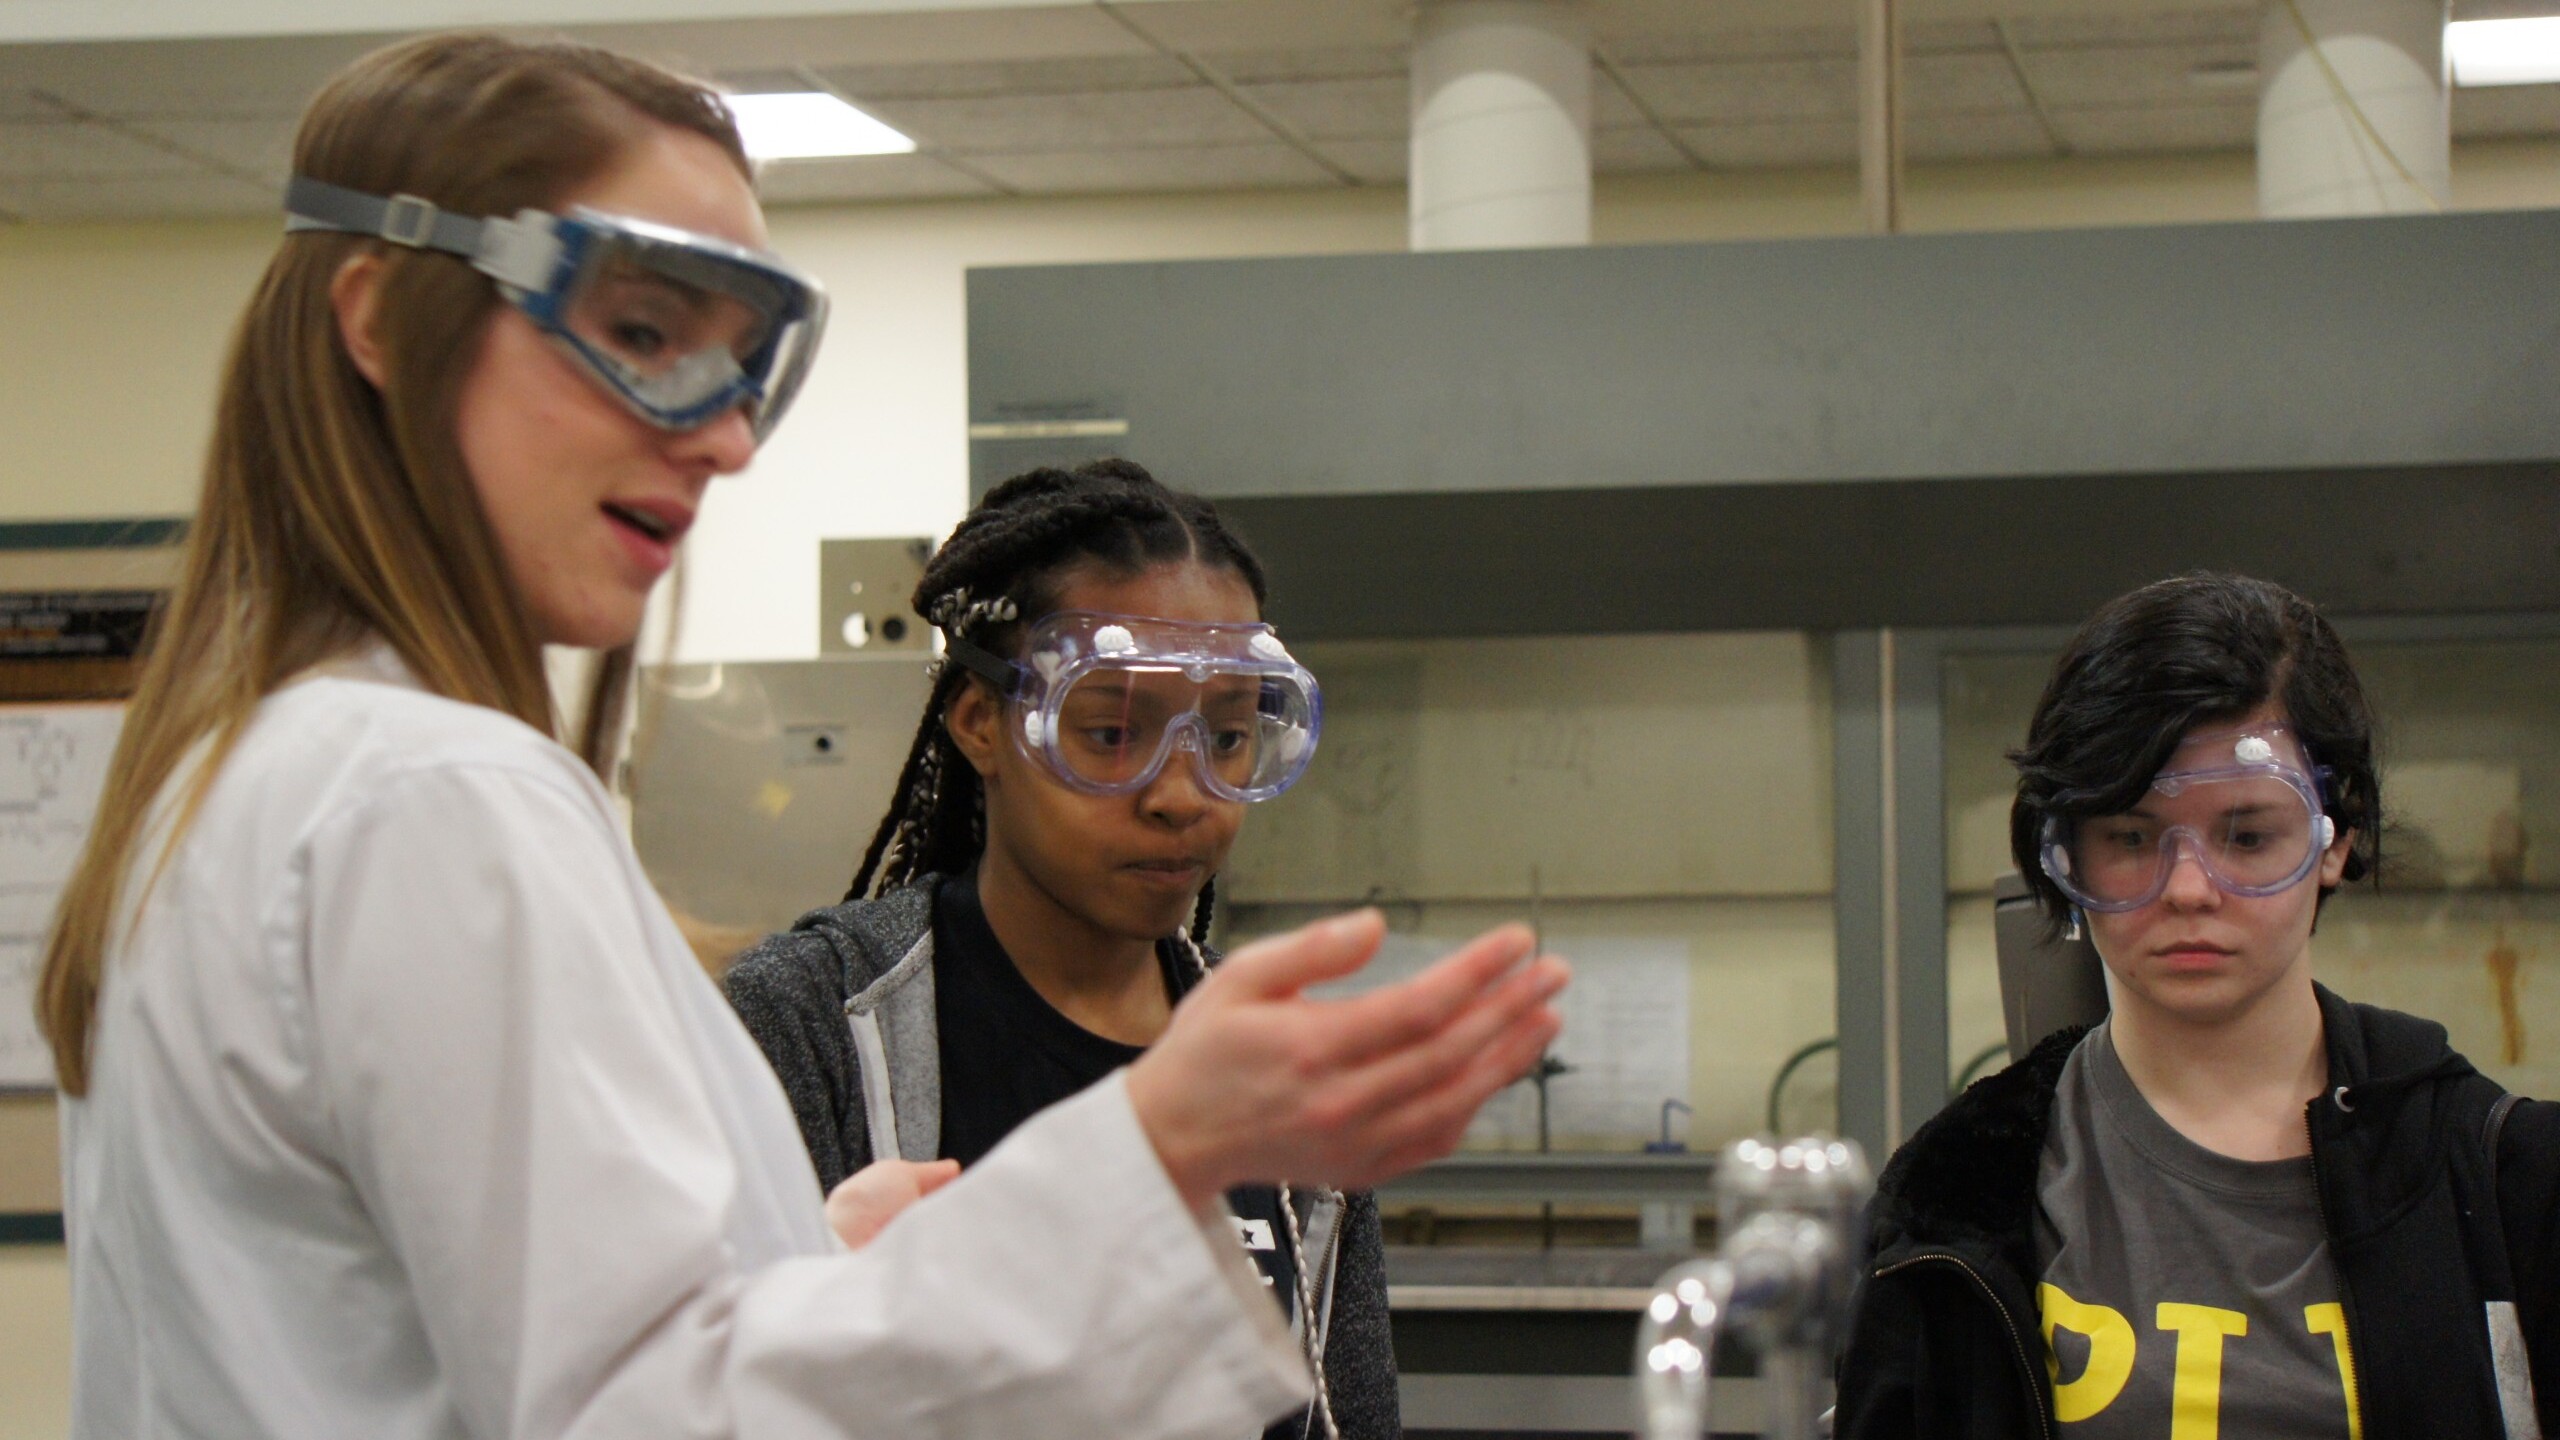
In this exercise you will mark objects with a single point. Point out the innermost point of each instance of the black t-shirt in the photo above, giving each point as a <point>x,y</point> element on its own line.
<point>1007,1054</point>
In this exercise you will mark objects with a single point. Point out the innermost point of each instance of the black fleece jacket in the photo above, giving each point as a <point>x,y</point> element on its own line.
<point>1945,1340</point>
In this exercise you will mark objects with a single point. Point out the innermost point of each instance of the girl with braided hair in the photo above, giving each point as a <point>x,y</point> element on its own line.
<point>1037,899</point>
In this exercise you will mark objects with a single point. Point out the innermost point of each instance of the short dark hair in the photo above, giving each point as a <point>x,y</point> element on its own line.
<point>2153,665</point>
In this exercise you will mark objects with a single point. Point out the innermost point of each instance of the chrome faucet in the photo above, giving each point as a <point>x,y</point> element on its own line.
<point>1788,1214</point>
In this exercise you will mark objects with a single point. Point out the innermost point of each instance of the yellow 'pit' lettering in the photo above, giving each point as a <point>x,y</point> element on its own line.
<point>2111,1346</point>
<point>2195,1400</point>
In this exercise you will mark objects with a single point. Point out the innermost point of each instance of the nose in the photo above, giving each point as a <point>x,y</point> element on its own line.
<point>2188,887</point>
<point>1176,798</point>
<point>718,447</point>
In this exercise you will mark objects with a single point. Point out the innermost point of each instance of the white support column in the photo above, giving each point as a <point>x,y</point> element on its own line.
<point>1501,125</point>
<point>2389,151</point>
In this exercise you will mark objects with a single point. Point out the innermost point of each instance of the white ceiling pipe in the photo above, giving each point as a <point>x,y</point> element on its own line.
<point>1501,125</point>
<point>2391,149</point>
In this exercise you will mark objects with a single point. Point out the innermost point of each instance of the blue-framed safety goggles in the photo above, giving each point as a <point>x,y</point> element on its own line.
<point>681,328</point>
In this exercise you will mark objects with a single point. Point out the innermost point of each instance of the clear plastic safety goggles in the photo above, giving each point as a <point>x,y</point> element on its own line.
<point>1103,701</point>
<point>681,328</point>
<point>2241,802</point>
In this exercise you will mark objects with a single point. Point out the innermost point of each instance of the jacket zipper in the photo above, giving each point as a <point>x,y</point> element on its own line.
<point>2008,1325</point>
<point>2354,1378</point>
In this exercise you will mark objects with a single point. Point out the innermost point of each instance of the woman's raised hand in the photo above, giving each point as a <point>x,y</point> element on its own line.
<point>1255,1082</point>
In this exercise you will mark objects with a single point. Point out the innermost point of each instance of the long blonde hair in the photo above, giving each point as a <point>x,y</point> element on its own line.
<point>334,512</point>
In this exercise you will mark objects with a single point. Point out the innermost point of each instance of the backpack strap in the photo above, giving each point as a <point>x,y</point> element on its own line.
<point>2490,1131</point>
<point>2507,1356</point>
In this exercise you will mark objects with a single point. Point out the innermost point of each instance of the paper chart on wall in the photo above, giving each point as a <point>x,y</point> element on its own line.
<point>53,763</point>
<point>1626,1037</point>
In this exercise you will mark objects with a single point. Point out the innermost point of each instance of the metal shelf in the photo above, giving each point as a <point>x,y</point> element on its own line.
<point>1577,1177</point>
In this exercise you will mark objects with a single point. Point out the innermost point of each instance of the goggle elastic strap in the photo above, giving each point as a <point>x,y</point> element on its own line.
<point>508,251</point>
<point>983,663</point>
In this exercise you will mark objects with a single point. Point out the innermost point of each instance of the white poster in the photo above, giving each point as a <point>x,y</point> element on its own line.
<point>53,764</point>
<point>1625,1044</point>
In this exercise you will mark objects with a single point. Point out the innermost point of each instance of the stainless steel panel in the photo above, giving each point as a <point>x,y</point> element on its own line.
<point>756,786</point>
<point>863,589</point>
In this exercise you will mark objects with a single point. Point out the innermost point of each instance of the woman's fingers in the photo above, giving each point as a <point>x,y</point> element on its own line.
<point>1430,1123</point>
<point>861,1207</point>
<point>1491,1018</point>
<point>1397,1016</point>
<point>1254,1083</point>
<point>1280,967</point>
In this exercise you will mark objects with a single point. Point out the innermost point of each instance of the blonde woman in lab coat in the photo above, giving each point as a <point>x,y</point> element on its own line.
<point>394,1104</point>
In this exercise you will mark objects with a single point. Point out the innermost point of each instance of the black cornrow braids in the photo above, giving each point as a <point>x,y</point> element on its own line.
<point>994,578</point>
<point>1205,911</point>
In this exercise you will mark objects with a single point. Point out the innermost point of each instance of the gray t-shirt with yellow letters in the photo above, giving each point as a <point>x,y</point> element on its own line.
<point>2184,1295</point>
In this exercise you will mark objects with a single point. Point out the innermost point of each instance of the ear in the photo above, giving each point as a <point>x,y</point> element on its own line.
<point>2333,861</point>
<point>355,293</point>
<point>975,720</point>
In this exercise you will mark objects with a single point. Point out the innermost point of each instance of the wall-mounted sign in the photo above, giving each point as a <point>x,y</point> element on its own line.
<point>75,624</point>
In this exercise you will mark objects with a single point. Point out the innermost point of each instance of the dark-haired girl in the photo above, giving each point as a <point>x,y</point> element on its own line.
<point>2240,1204</point>
<point>1038,898</point>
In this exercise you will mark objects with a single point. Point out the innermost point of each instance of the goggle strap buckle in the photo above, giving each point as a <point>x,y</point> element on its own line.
<point>408,220</point>
<point>404,220</point>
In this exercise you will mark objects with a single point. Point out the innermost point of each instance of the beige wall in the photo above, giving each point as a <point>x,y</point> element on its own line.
<point>35,1343</point>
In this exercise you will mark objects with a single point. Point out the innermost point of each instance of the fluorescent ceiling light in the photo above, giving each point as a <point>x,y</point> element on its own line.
<point>809,124</point>
<point>2504,52</point>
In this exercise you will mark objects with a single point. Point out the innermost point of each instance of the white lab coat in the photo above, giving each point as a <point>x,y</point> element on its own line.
<point>412,1116</point>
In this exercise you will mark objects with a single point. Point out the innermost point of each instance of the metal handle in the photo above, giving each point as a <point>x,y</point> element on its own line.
<point>1780,1278</point>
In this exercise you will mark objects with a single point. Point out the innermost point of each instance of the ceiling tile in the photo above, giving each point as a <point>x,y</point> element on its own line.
<point>1635,150</point>
<point>1149,71</point>
<point>1105,120</point>
<point>1960,83</point>
<point>1247,67</point>
<point>1930,37</point>
<point>64,149</point>
<point>1764,92</point>
<point>134,197</point>
<point>1702,45</point>
<point>2139,130</point>
<point>1376,162</point>
<point>2221,24</point>
<point>1773,146</point>
<point>1610,107</point>
<point>2008,135</point>
<point>1340,109</point>
<point>2507,110</point>
<point>865,177</point>
<point>727,42</point>
<point>208,77</point>
<point>1207,26</point>
<point>1174,167</point>
<point>259,146</point>
<point>2155,75</point>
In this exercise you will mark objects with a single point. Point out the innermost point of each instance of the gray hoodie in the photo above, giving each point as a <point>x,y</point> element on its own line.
<point>843,1004</point>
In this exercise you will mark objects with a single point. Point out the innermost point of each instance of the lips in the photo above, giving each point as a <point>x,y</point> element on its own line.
<point>2194,953</point>
<point>654,520</point>
<point>1182,871</point>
